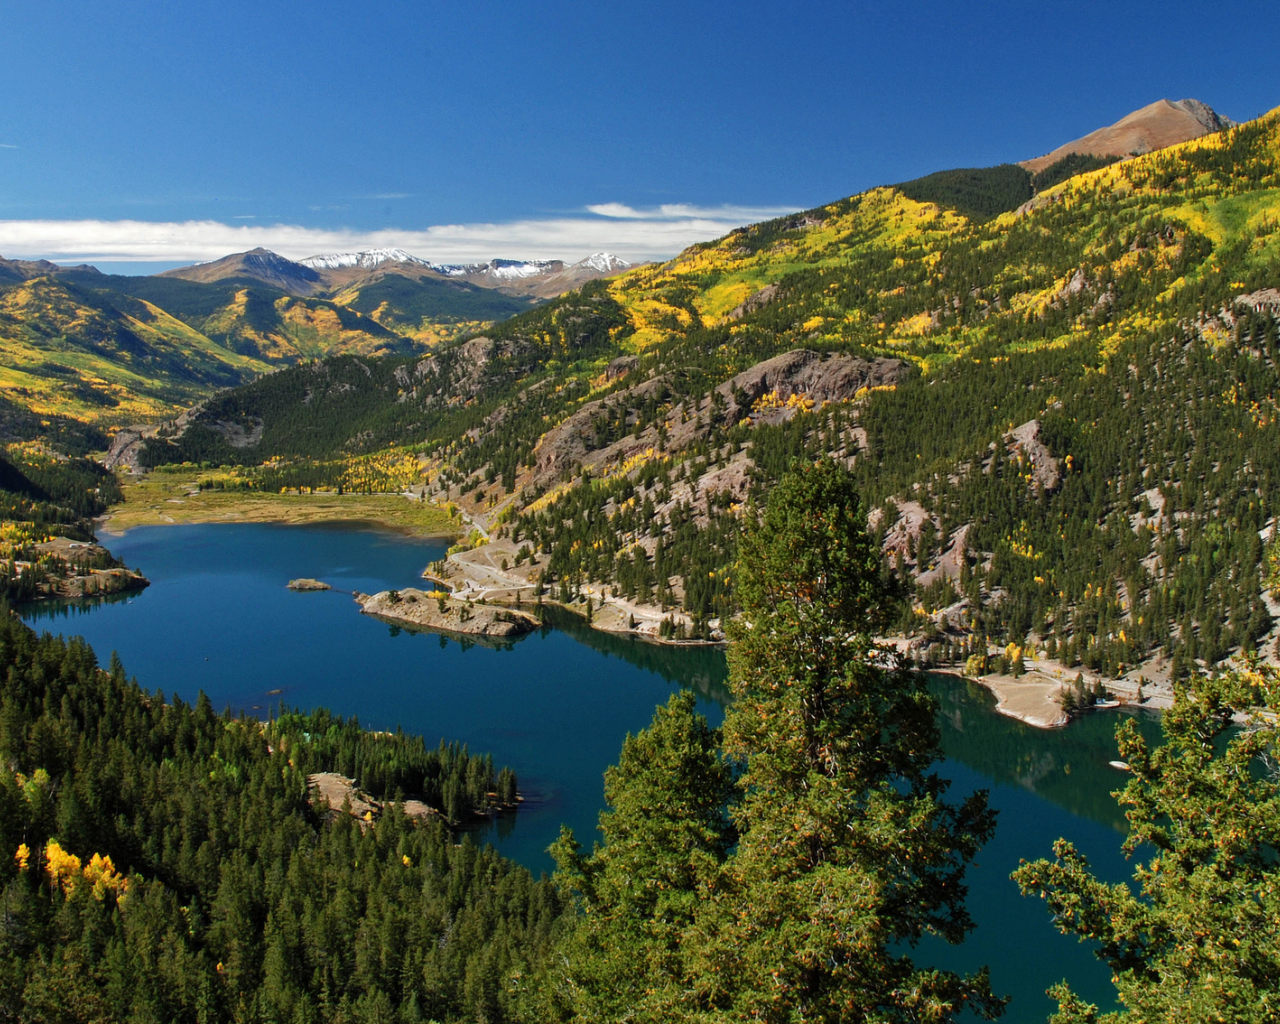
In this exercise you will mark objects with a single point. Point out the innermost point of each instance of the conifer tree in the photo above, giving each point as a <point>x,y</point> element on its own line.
<point>848,851</point>
<point>665,834</point>
<point>1198,938</point>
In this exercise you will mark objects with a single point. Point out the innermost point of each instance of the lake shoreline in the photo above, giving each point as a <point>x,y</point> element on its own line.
<point>473,578</point>
<point>1034,698</point>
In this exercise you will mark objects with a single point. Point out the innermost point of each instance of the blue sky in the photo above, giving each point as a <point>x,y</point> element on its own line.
<point>162,131</point>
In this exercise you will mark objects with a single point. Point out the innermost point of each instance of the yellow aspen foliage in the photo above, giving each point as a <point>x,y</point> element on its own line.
<point>62,868</point>
<point>22,856</point>
<point>103,876</point>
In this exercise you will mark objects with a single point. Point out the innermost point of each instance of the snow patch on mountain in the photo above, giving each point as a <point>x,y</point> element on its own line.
<point>515,270</point>
<point>503,270</point>
<point>498,269</point>
<point>366,259</point>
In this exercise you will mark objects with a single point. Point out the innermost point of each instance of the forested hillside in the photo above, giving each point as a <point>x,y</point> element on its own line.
<point>110,350</point>
<point>47,504</point>
<point>1060,416</point>
<point>165,862</point>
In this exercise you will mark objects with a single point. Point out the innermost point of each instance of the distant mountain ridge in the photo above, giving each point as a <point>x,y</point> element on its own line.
<point>258,264</point>
<point>25,270</point>
<point>366,259</point>
<point>327,274</point>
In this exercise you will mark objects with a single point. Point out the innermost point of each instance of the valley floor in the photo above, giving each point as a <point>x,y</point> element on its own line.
<point>160,499</point>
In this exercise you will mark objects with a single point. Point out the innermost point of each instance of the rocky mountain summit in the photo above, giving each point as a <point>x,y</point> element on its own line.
<point>1156,126</point>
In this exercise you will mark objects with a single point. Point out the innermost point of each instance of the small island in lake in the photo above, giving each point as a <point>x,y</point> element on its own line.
<point>442,611</point>
<point>308,584</point>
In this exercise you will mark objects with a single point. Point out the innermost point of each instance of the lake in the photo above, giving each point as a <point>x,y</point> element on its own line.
<point>555,706</point>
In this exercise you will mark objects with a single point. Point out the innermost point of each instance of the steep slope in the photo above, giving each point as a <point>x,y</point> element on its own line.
<point>1155,126</point>
<point>1061,417</point>
<point>98,356</point>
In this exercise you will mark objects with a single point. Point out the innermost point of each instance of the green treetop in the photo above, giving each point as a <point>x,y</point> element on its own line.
<point>665,836</point>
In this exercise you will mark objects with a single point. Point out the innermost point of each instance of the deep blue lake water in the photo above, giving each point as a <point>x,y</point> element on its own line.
<point>556,705</point>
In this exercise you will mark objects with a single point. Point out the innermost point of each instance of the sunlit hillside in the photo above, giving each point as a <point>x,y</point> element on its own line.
<point>68,351</point>
<point>1025,397</point>
<point>113,350</point>
<point>886,272</point>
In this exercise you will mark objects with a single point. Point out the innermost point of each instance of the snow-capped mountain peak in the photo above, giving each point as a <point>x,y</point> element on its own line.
<point>502,270</point>
<point>366,259</point>
<point>604,262</point>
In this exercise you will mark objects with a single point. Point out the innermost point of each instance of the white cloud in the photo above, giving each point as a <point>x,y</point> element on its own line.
<point>630,233</point>
<point>683,211</point>
<point>7,145</point>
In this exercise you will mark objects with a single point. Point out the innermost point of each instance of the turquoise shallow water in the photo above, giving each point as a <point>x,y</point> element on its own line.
<point>556,705</point>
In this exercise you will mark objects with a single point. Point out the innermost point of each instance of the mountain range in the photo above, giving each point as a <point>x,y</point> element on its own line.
<point>79,345</point>
<point>336,273</point>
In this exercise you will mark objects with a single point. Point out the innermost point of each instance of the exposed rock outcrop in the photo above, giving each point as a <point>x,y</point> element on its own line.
<point>331,792</point>
<point>753,302</point>
<point>125,448</point>
<point>815,377</point>
<point>1265,300</point>
<point>1024,443</point>
<point>75,569</point>
<point>820,377</point>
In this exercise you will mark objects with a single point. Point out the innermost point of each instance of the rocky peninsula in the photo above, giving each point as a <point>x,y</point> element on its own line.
<point>437,610</point>
<point>71,569</point>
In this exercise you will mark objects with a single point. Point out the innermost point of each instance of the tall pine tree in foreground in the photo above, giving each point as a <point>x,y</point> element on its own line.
<point>847,852</point>
<point>1199,939</point>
